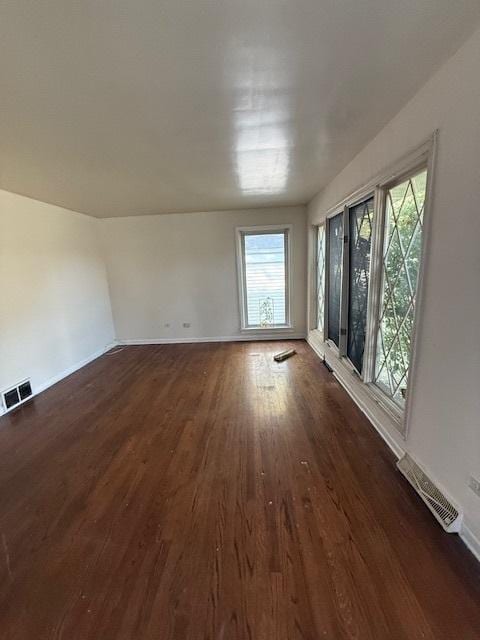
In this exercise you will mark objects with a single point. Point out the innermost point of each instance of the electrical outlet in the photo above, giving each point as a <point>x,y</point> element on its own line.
<point>474,485</point>
<point>186,325</point>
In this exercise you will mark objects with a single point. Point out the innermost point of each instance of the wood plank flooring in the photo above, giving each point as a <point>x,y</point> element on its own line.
<point>205,492</point>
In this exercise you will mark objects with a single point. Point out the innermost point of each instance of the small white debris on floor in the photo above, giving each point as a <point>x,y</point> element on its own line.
<point>112,353</point>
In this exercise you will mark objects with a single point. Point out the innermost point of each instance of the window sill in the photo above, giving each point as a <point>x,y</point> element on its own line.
<point>389,406</point>
<point>396,415</point>
<point>277,329</point>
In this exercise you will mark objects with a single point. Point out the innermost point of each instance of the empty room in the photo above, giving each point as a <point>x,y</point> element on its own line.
<point>239,353</point>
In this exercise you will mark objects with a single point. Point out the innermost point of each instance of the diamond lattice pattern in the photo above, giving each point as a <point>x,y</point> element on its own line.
<point>361,217</point>
<point>401,262</point>
<point>320,277</point>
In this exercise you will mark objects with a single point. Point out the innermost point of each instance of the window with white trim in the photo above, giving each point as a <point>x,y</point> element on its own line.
<point>263,256</point>
<point>334,276</point>
<point>321,277</point>
<point>360,220</point>
<point>367,278</point>
<point>400,265</point>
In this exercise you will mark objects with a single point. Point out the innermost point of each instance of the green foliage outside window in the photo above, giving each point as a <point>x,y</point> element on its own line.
<point>401,264</point>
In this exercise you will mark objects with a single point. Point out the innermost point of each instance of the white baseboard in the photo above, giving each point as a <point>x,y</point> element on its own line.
<point>140,341</point>
<point>75,367</point>
<point>63,374</point>
<point>354,387</point>
<point>317,347</point>
<point>236,338</point>
<point>471,540</point>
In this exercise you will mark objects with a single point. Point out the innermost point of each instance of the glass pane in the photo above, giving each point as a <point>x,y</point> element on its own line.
<point>320,277</point>
<point>335,253</point>
<point>401,263</point>
<point>361,218</point>
<point>265,279</point>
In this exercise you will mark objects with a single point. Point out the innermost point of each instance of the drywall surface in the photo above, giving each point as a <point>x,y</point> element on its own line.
<point>55,310</point>
<point>168,270</point>
<point>444,431</point>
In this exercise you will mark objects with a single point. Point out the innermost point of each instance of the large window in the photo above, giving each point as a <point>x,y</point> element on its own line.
<point>264,277</point>
<point>321,278</point>
<point>402,248</point>
<point>368,265</point>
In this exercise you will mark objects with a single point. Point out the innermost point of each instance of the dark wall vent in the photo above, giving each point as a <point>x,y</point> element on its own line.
<point>17,394</point>
<point>11,398</point>
<point>25,390</point>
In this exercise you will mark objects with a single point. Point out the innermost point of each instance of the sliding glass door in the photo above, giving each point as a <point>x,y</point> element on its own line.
<point>334,273</point>
<point>373,255</point>
<point>360,237</point>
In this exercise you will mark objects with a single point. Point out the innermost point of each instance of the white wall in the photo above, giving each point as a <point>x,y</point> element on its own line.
<point>55,309</point>
<point>171,269</point>
<point>445,420</point>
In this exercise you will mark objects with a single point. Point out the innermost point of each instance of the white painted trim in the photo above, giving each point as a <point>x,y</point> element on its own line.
<point>277,328</point>
<point>265,228</point>
<point>316,346</point>
<point>63,374</point>
<point>403,165</point>
<point>237,338</point>
<point>356,389</point>
<point>422,156</point>
<point>420,292</point>
<point>315,340</point>
<point>240,232</point>
<point>316,263</point>
<point>373,301</point>
<point>470,539</point>
<point>333,214</point>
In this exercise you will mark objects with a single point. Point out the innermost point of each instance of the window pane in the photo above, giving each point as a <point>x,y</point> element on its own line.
<point>401,262</point>
<point>265,255</point>
<point>320,277</point>
<point>335,253</point>
<point>361,217</point>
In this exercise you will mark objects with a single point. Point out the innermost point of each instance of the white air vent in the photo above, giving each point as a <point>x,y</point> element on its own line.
<point>441,507</point>
<point>16,395</point>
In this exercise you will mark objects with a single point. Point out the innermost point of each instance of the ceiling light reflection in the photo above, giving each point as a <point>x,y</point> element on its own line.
<point>261,116</point>
<point>262,159</point>
<point>262,171</point>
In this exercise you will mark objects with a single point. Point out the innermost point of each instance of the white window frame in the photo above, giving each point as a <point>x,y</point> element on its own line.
<point>333,214</point>
<point>241,232</point>
<point>423,157</point>
<point>361,198</point>
<point>377,262</point>
<point>318,227</point>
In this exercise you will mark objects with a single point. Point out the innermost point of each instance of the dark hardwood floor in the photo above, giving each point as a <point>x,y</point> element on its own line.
<point>191,492</point>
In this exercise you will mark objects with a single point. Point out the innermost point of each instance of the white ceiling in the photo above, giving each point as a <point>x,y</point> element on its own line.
<point>124,107</point>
